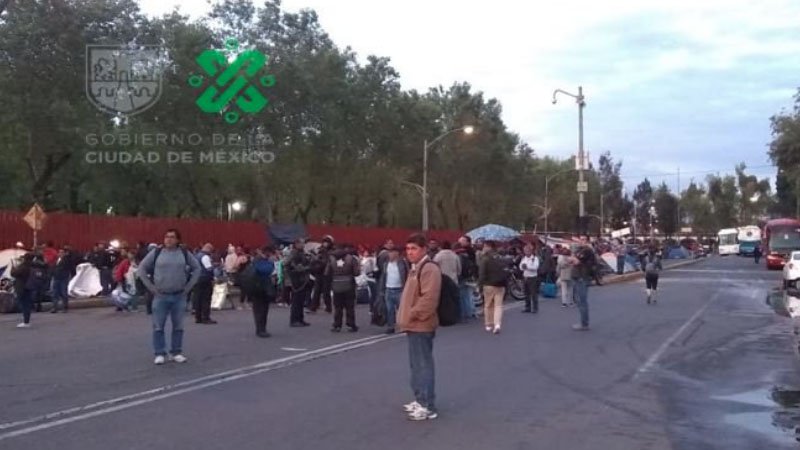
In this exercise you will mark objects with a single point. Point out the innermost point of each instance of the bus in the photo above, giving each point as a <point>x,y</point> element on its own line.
<point>726,242</point>
<point>749,239</point>
<point>781,237</point>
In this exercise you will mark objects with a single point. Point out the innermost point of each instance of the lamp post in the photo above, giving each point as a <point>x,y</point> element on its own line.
<point>234,207</point>
<point>547,194</point>
<point>467,129</point>
<point>580,100</point>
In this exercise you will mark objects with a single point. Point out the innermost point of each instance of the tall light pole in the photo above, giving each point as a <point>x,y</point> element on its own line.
<point>468,129</point>
<point>234,207</point>
<point>580,100</point>
<point>547,195</point>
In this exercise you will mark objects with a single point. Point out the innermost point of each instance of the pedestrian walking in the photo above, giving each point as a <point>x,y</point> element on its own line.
<point>757,253</point>
<point>30,280</point>
<point>467,277</point>
<point>584,264</point>
<point>493,277</point>
<point>170,273</point>
<point>418,319</point>
<point>345,270</point>
<point>529,265</point>
<point>651,265</point>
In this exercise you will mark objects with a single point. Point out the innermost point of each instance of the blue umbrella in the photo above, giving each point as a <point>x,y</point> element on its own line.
<point>492,232</point>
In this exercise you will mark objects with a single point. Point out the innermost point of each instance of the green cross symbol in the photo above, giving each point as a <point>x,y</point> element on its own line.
<point>231,82</point>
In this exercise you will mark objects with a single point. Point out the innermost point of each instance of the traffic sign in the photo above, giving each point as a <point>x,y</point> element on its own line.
<point>583,186</point>
<point>35,217</point>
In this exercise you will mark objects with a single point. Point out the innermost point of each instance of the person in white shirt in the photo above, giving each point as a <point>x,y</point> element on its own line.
<point>448,261</point>
<point>390,285</point>
<point>529,267</point>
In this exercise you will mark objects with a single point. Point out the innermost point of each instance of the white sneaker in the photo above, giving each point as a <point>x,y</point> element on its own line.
<point>488,329</point>
<point>422,413</point>
<point>159,360</point>
<point>496,329</point>
<point>23,325</point>
<point>179,358</point>
<point>411,407</point>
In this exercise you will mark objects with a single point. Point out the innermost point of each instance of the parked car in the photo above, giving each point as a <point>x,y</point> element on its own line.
<point>791,270</point>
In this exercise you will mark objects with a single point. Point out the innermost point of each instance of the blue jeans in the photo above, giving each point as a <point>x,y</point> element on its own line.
<point>467,303</point>
<point>392,303</point>
<point>173,306</point>
<point>423,377</point>
<point>60,293</point>
<point>581,293</point>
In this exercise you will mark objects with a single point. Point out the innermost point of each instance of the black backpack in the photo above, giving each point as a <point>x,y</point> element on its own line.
<point>449,309</point>
<point>37,278</point>
<point>256,285</point>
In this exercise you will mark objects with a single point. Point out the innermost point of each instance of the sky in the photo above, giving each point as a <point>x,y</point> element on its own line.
<point>681,86</point>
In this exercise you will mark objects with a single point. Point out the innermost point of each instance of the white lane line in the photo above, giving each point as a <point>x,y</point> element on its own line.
<point>653,359</point>
<point>128,401</point>
<point>292,349</point>
<point>721,271</point>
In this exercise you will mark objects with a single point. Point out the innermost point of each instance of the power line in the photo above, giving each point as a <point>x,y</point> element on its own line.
<point>698,172</point>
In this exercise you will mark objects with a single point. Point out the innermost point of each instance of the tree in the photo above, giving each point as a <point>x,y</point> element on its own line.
<point>612,187</point>
<point>666,205</point>
<point>643,200</point>
<point>724,197</point>
<point>754,196</point>
<point>696,208</point>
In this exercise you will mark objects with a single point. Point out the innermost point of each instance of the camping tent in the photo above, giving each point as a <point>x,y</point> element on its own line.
<point>611,260</point>
<point>86,282</point>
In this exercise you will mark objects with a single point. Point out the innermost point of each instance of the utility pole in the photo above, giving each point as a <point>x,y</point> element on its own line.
<point>581,188</point>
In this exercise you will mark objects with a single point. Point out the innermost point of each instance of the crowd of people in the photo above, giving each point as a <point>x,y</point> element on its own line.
<point>172,279</point>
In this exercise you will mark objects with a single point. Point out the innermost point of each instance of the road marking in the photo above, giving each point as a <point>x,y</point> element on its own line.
<point>167,391</point>
<point>721,271</point>
<point>292,349</point>
<point>670,340</point>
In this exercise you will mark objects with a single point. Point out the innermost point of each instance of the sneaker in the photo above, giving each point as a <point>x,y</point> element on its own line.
<point>564,305</point>
<point>390,331</point>
<point>579,327</point>
<point>411,407</point>
<point>179,358</point>
<point>352,329</point>
<point>336,329</point>
<point>422,413</point>
<point>488,329</point>
<point>23,325</point>
<point>263,334</point>
<point>496,329</point>
<point>159,360</point>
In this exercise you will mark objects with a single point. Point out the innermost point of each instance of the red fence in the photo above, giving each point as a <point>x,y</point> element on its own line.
<point>82,231</point>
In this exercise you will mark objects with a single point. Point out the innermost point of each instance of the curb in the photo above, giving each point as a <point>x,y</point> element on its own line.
<point>639,274</point>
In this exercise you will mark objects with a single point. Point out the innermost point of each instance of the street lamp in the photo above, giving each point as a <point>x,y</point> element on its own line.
<point>547,194</point>
<point>233,207</point>
<point>467,129</point>
<point>580,100</point>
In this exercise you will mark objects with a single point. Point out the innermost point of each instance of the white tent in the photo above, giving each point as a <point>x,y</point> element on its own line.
<point>86,282</point>
<point>611,259</point>
<point>8,259</point>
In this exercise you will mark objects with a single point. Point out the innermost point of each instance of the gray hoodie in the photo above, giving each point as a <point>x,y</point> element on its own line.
<point>173,273</point>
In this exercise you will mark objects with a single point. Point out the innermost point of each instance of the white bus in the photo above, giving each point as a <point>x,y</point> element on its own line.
<point>749,239</point>
<point>728,242</point>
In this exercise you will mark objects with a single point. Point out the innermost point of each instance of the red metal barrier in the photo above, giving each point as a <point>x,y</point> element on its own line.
<point>82,231</point>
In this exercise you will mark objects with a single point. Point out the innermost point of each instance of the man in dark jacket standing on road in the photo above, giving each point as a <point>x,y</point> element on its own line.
<point>298,268</point>
<point>418,318</point>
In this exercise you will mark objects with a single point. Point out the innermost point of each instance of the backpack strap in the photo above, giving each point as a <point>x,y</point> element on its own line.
<point>419,274</point>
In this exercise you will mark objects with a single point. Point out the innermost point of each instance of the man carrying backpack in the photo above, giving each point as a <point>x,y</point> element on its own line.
<point>31,280</point>
<point>493,277</point>
<point>170,273</point>
<point>651,265</point>
<point>417,316</point>
<point>257,280</point>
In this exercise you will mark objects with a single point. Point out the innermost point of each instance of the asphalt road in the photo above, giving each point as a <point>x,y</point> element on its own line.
<point>709,367</point>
